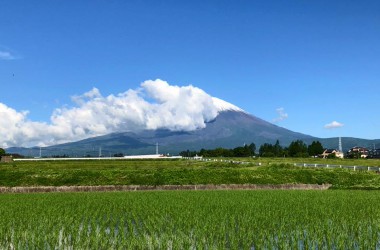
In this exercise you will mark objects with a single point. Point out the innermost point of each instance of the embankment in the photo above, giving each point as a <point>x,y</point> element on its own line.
<point>111,188</point>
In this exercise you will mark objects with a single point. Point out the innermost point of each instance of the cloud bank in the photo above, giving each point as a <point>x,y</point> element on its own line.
<point>333,125</point>
<point>281,115</point>
<point>155,104</point>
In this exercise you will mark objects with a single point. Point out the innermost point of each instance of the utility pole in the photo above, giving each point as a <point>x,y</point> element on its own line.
<point>156,148</point>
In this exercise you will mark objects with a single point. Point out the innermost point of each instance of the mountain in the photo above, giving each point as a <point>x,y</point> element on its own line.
<point>231,128</point>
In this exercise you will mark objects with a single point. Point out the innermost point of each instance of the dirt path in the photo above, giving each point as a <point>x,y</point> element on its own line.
<point>48,189</point>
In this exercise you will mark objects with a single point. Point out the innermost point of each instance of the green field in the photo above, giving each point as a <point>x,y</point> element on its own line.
<point>235,219</point>
<point>333,219</point>
<point>185,172</point>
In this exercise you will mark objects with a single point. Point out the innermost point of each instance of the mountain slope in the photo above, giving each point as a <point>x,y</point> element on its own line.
<point>231,128</point>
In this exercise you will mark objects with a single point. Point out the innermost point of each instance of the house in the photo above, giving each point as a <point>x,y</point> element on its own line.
<point>328,152</point>
<point>6,158</point>
<point>358,152</point>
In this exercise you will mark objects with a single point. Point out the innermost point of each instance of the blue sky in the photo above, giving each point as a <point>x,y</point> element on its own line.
<point>309,62</point>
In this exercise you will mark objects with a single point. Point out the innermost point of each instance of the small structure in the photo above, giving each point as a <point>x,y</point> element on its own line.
<point>339,154</point>
<point>328,152</point>
<point>156,156</point>
<point>196,157</point>
<point>358,152</point>
<point>6,158</point>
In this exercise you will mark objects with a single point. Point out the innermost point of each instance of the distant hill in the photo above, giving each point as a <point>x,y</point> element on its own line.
<point>231,128</point>
<point>349,142</point>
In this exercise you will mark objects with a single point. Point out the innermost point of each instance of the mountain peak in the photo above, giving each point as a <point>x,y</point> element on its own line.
<point>225,106</point>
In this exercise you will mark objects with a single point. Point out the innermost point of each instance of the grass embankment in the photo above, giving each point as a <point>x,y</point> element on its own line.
<point>191,220</point>
<point>180,172</point>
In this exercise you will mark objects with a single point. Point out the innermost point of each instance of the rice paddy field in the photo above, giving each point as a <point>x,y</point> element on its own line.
<point>341,218</point>
<point>276,219</point>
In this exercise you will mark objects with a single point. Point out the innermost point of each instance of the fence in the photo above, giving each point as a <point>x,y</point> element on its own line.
<point>366,168</point>
<point>313,165</point>
<point>222,160</point>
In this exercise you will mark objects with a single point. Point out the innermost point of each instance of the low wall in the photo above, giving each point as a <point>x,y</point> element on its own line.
<point>47,189</point>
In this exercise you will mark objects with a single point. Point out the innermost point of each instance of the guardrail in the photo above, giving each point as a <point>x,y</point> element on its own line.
<point>311,165</point>
<point>222,160</point>
<point>366,168</point>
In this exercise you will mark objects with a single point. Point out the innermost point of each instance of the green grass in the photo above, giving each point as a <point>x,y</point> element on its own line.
<point>332,219</point>
<point>182,172</point>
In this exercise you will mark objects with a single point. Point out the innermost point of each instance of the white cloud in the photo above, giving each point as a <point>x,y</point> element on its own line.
<point>15,128</point>
<point>281,115</point>
<point>334,125</point>
<point>5,55</point>
<point>171,107</point>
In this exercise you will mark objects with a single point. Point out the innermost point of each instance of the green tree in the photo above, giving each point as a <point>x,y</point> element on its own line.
<point>315,148</point>
<point>277,149</point>
<point>203,152</point>
<point>266,150</point>
<point>245,151</point>
<point>188,153</point>
<point>331,156</point>
<point>252,149</point>
<point>2,151</point>
<point>239,152</point>
<point>298,149</point>
<point>353,155</point>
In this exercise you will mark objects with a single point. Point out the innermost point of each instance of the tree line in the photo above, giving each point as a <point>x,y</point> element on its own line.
<point>295,149</point>
<point>245,151</point>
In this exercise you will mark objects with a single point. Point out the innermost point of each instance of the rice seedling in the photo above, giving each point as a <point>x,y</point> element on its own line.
<point>276,219</point>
